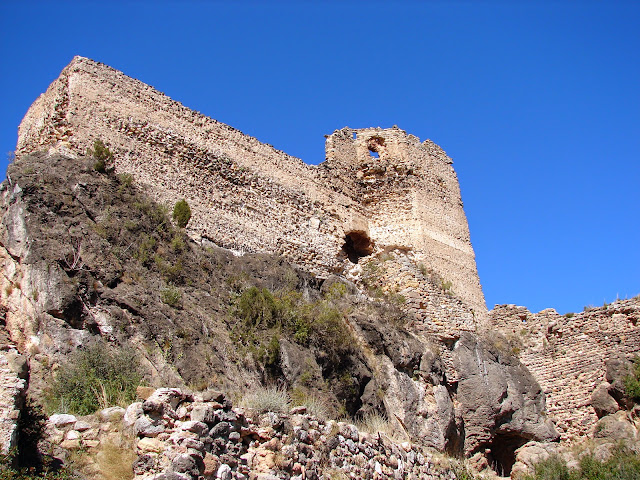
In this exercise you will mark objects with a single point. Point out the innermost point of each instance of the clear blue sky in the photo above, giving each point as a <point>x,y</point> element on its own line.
<point>538,103</point>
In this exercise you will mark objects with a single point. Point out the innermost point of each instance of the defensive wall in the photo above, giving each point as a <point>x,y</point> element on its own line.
<point>378,188</point>
<point>567,354</point>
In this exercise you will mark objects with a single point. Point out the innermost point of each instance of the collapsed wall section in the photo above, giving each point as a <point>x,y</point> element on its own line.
<point>382,187</point>
<point>567,354</point>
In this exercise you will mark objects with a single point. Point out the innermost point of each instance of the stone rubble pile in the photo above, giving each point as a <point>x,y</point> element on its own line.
<point>182,436</point>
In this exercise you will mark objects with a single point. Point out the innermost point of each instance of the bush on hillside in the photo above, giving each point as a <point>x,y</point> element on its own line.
<point>102,155</point>
<point>264,315</point>
<point>93,378</point>
<point>267,399</point>
<point>623,465</point>
<point>182,213</point>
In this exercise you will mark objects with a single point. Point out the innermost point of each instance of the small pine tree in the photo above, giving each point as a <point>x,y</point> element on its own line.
<point>102,154</point>
<point>182,213</point>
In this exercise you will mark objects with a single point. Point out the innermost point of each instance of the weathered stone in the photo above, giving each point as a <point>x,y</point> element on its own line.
<point>146,445</point>
<point>602,402</point>
<point>502,404</point>
<point>62,419</point>
<point>616,427</point>
<point>203,413</point>
<point>617,369</point>
<point>163,401</point>
<point>530,454</point>
<point>147,427</point>
<point>111,414</point>
<point>224,472</point>
<point>81,426</point>
<point>132,413</point>
<point>189,464</point>
<point>143,464</point>
<point>214,396</point>
<point>198,428</point>
<point>211,464</point>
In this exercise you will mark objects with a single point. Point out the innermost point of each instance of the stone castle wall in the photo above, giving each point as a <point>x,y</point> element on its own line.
<point>567,354</point>
<point>251,197</point>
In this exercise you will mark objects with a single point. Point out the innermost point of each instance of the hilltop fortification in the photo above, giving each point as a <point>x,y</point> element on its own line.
<point>392,321</point>
<point>378,190</point>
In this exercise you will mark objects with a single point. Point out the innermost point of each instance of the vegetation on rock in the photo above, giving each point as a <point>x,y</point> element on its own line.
<point>622,465</point>
<point>632,382</point>
<point>93,378</point>
<point>182,213</point>
<point>102,155</point>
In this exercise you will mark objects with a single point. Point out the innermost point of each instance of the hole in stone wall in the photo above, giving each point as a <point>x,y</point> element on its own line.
<point>375,145</point>
<point>357,244</point>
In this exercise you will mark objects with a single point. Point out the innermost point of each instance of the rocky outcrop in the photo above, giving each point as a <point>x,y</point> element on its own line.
<point>502,404</point>
<point>87,256</point>
<point>13,384</point>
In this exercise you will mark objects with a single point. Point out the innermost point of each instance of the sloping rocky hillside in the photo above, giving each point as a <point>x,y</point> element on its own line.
<point>89,259</point>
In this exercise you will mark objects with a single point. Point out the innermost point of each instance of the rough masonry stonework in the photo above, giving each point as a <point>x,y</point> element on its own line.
<point>378,189</point>
<point>567,354</point>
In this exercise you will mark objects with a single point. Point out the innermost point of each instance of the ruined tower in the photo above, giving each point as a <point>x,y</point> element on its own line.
<point>378,189</point>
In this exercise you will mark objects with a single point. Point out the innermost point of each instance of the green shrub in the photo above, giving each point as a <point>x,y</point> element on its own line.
<point>125,179</point>
<point>177,243</point>
<point>182,213</point>
<point>102,155</point>
<point>146,248</point>
<point>93,378</point>
<point>262,314</point>
<point>258,308</point>
<point>622,465</point>
<point>171,296</point>
<point>632,382</point>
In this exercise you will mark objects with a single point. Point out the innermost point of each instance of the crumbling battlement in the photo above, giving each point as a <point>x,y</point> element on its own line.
<point>378,188</point>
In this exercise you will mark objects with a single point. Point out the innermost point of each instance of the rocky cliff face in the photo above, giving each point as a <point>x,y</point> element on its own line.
<point>88,257</point>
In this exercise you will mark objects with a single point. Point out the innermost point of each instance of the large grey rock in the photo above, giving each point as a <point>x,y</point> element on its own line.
<point>422,410</point>
<point>188,463</point>
<point>501,403</point>
<point>530,454</point>
<point>163,401</point>
<point>62,419</point>
<point>146,427</point>
<point>617,369</point>
<point>602,402</point>
<point>203,412</point>
<point>616,427</point>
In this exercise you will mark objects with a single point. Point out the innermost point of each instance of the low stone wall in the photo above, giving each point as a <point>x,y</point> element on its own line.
<point>181,436</point>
